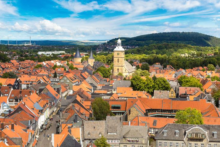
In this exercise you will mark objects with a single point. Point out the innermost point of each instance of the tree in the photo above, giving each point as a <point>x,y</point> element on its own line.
<point>137,83</point>
<point>55,75</point>
<point>161,84</point>
<point>149,85</point>
<point>154,78</point>
<point>104,71</point>
<point>211,67</point>
<point>145,66</point>
<point>101,109</point>
<point>72,67</point>
<point>141,73</point>
<point>189,116</point>
<point>101,142</point>
<point>9,75</point>
<point>38,66</point>
<point>0,84</point>
<point>215,78</point>
<point>120,74</point>
<point>216,96</point>
<point>189,82</point>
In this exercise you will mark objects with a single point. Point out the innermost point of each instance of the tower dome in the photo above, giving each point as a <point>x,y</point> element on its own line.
<point>119,47</point>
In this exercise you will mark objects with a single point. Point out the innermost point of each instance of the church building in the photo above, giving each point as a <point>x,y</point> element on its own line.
<point>120,64</point>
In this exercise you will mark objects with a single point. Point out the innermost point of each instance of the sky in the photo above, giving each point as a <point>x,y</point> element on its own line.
<point>105,19</point>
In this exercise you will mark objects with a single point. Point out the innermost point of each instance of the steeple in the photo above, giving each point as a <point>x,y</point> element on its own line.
<point>119,47</point>
<point>77,55</point>
<point>91,55</point>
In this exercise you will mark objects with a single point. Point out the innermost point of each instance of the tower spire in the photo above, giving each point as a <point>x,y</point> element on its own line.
<point>91,55</point>
<point>77,55</point>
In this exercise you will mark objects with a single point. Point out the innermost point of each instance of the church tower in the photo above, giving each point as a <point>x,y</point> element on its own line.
<point>91,60</point>
<point>119,59</point>
<point>77,57</point>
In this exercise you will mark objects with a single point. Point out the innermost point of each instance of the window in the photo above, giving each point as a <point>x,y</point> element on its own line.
<point>215,134</point>
<point>133,145</point>
<point>164,132</point>
<point>196,145</point>
<point>183,145</point>
<point>171,144</point>
<point>190,144</point>
<point>118,60</point>
<point>160,144</point>
<point>118,70</point>
<point>202,145</point>
<point>117,53</point>
<point>177,133</point>
<point>177,144</point>
<point>209,145</point>
<point>215,145</point>
<point>125,145</point>
<point>165,144</point>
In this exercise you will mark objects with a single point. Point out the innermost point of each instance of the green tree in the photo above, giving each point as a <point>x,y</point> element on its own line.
<point>120,74</point>
<point>101,142</point>
<point>38,66</point>
<point>9,75</point>
<point>141,73</point>
<point>161,84</point>
<point>104,71</point>
<point>0,84</point>
<point>211,67</point>
<point>145,66</point>
<point>55,75</point>
<point>149,85</point>
<point>101,109</point>
<point>189,116</point>
<point>215,78</point>
<point>189,82</point>
<point>137,83</point>
<point>154,78</point>
<point>72,67</point>
<point>216,96</point>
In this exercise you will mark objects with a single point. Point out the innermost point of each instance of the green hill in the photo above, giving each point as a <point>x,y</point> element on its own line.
<point>191,38</point>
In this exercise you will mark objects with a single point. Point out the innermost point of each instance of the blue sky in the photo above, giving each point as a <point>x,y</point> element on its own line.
<point>105,19</point>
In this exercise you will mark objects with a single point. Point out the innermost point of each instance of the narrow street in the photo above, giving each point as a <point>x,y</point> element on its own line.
<point>43,139</point>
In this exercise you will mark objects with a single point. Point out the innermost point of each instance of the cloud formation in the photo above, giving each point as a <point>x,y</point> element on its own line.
<point>6,8</point>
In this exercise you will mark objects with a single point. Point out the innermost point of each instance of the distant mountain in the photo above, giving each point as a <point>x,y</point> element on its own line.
<point>52,42</point>
<point>191,38</point>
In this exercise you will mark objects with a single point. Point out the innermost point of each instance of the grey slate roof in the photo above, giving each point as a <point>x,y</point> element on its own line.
<point>70,142</point>
<point>182,128</point>
<point>162,94</point>
<point>121,83</point>
<point>128,67</point>
<point>91,55</point>
<point>77,54</point>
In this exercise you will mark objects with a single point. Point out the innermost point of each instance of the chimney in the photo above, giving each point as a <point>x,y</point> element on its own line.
<point>12,127</point>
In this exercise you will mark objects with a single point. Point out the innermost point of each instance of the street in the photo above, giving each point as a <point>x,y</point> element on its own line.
<point>43,138</point>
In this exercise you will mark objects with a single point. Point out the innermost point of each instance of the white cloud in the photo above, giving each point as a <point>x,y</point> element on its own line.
<point>18,27</point>
<point>179,5</point>
<point>176,24</point>
<point>6,8</point>
<point>77,7</point>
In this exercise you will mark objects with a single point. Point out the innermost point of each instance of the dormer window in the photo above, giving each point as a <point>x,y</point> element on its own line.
<point>177,133</point>
<point>164,132</point>
<point>88,133</point>
<point>215,134</point>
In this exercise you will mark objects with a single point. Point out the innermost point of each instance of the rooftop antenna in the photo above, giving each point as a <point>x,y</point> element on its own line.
<point>30,40</point>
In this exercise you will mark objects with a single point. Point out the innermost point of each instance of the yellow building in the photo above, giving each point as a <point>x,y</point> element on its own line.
<point>172,93</point>
<point>120,64</point>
